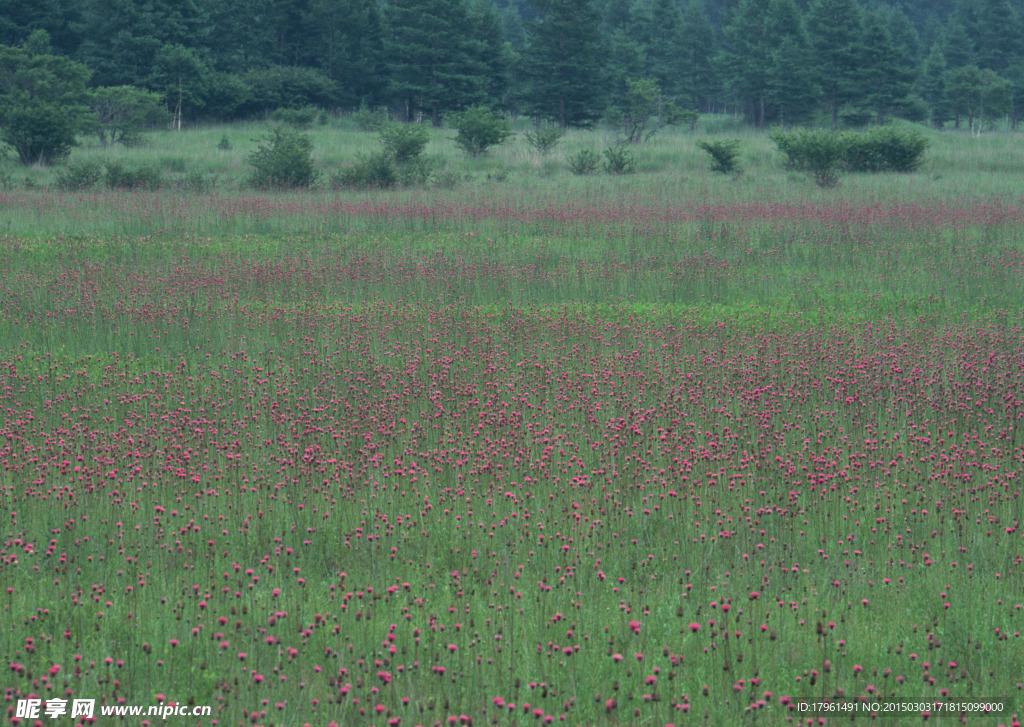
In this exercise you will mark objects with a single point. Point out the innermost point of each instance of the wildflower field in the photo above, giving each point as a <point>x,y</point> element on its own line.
<point>595,456</point>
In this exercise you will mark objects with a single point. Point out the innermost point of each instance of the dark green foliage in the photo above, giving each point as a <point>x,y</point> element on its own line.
<point>584,162</point>
<point>290,87</point>
<point>436,64</point>
<point>80,176</point>
<point>224,144</point>
<point>885,149</point>
<point>479,129</point>
<point>544,139</point>
<point>932,86</point>
<point>619,159</point>
<point>119,176</point>
<point>301,118</point>
<point>834,30</point>
<point>563,64</point>
<point>122,113</point>
<point>42,104</point>
<point>198,182</point>
<point>283,160</point>
<point>978,94</point>
<point>643,112</point>
<point>724,153</point>
<point>376,170</point>
<point>404,142</point>
<point>884,81</point>
<point>818,152</point>
<point>368,119</point>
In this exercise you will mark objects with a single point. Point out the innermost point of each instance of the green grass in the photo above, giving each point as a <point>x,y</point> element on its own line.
<point>212,405</point>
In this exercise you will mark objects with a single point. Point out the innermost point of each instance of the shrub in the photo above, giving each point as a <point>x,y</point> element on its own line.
<point>284,160</point>
<point>545,139</point>
<point>415,173</point>
<point>119,176</point>
<point>479,129</point>
<point>373,171</point>
<point>368,119</point>
<point>404,142</point>
<point>301,118</point>
<point>79,176</point>
<point>583,162</point>
<point>224,144</point>
<point>619,159</point>
<point>293,87</point>
<point>724,154</point>
<point>817,152</point>
<point>886,149</point>
<point>199,182</point>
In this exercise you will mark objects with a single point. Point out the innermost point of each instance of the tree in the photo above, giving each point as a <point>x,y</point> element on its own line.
<point>181,78</point>
<point>42,104</point>
<point>433,64</point>
<point>121,112</point>
<point>744,58</point>
<point>349,38</point>
<point>643,103</point>
<point>932,86</point>
<point>885,82</point>
<point>834,29</point>
<point>792,89</point>
<point>493,55</point>
<point>697,81</point>
<point>997,35</point>
<point>977,94</point>
<point>665,64</point>
<point>957,46</point>
<point>562,64</point>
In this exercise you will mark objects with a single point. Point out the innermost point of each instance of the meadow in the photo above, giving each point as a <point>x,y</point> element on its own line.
<point>662,449</point>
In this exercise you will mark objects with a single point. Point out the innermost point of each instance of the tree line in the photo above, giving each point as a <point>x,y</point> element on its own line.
<point>573,62</point>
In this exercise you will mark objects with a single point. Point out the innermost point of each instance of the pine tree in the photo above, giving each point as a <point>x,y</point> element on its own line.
<point>348,38</point>
<point>493,55</point>
<point>997,35</point>
<point>792,91</point>
<point>698,82</point>
<point>562,64</point>
<point>834,29</point>
<point>932,86</point>
<point>957,46</point>
<point>884,81</point>
<point>745,58</point>
<point>665,64</point>
<point>433,67</point>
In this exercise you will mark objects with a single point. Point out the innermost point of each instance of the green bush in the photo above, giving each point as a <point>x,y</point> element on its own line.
<point>198,182</point>
<point>818,152</point>
<point>79,176</point>
<point>224,144</point>
<point>724,154</point>
<point>373,171</point>
<point>292,87</point>
<point>583,162</point>
<point>619,159</point>
<point>415,173</point>
<point>368,119</point>
<point>119,176</point>
<point>301,118</point>
<point>404,142</point>
<point>284,160</point>
<point>885,149</point>
<point>479,129</point>
<point>545,139</point>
